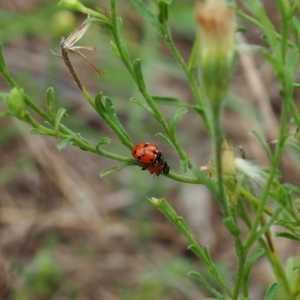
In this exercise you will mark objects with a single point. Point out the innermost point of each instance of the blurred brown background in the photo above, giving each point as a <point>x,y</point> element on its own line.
<point>67,234</point>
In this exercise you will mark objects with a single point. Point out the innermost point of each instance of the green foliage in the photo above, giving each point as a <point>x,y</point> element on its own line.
<point>41,277</point>
<point>275,204</point>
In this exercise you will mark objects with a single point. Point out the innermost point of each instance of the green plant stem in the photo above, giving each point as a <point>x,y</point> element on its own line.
<point>218,144</point>
<point>280,274</point>
<point>180,223</point>
<point>27,100</point>
<point>142,89</point>
<point>191,77</point>
<point>241,265</point>
<point>45,116</point>
<point>273,168</point>
<point>271,256</point>
<point>284,28</point>
<point>295,114</point>
<point>166,127</point>
<point>184,179</point>
<point>89,98</point>
<point>112,155</point>
<point>113,15</point>
<point>254,201</point>
<point>30,120</point>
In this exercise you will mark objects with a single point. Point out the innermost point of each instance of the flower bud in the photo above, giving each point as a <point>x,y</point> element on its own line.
<point>72,4</point>
<point>62,23</point>
<point>215,25</point>
<point>15,103</point>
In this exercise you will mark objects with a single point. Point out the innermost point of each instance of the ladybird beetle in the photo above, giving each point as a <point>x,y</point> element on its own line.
<point>162,168</point>
<point>147,153</point>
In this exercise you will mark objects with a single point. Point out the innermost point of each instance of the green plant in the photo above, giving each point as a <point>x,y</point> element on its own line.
<point>227,176</point>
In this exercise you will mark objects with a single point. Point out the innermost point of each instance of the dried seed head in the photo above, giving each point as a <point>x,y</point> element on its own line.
<point>67,45</point>
<point>215,20</point>
<point>216,26</point>
<point>74,37</point>
<point>235,168</point>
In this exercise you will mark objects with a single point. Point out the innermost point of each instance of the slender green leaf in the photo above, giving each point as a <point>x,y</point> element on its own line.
<point>50,100</point>
<point>241,29</point>
<point>272,291</point>
<point>181,224</point>
<point>7,114</point>
<point>296,266</point>
<point>231,225</point>
<point>2,63</point>
<point>58,118</point>
<point>172,101</point>
<point>110,110</point>
<point>99,105</point>
<point>271,60</point>
<point>292,188</point>
<point>262,142</point>
<point>199,253</point>
<point>178,115</point>
<point>64,143</point>
<point>296,23</point>
<point>248,266</point>
<point>163,11</point>
<point>184,164</point>
<point>110,170</point>
<point>292,276</point>
<point>104,141</point>
<point>38,131</point>
<point>280,195</point>
<point>115,49</point>
<point>207,285</point>
<point>267,26</point>
<point>291,65</point>
<point>295,26</point>
<point>137,68</point>
<point>288,235</point>
<point>166,209</point>
<point>148,15</point>
<point>120,35</point>
<point>266,227</point>
<point>165,139</point>
<point>207,254</point>
<point>194,55</point>
<point>143,105</point>
<point>284,223</point>
<point>297,231</point>
<point>293,145</point>
<point>293,8</point>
